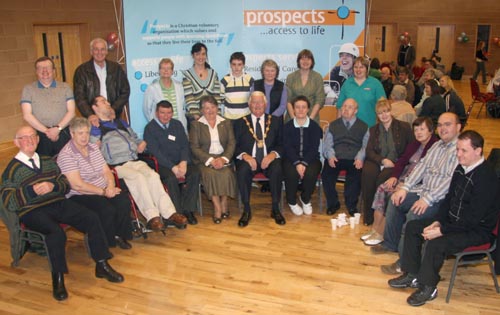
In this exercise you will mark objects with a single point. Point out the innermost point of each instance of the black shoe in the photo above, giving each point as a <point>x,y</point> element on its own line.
<point>423,294</point>
<point>245,218</point>
<point>225,215</point>
<point>104,270</point>
<point>191,218</point>
<point>58,290</point>
<point>122,243</point>
<point>278,217</point>
<point>217,220</point>
<point>404,281</point>
<point>332,210</point>
<point>353,211</point>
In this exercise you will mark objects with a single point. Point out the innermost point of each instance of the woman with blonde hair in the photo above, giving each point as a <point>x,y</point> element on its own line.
<point>387,142</point>
<point>453,102</point>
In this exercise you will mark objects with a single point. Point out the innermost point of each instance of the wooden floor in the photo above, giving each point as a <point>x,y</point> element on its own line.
<point>301,268</point>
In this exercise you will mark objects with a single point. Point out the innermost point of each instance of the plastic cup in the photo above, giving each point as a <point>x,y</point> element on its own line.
<point>357,216</point>
<point>352,222</point>
<point>334,224</point>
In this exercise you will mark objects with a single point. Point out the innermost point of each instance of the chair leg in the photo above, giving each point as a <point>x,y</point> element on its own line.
<point>320,193</point>
<point>452,278</point>
<point>200,206</point>
<point>480,109</point>
<point>492,270</point>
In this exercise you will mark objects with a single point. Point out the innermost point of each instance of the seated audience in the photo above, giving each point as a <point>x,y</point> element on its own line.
<point>401,109</point>
<point>93,184</point>
<point>167,141</point>
<point>453,102</point>
<point>387,142</point>
<point>34,188</point>
<point>386,80</point>
<point>465,218</point>
<point>404,80</point>
<point>344,149</point>
<point>434,105</point>
<point>120,147</point>
<point>423,129</point>
<point>301,164</point>
<point>375,69</point>
<point>259,150</point>
<point>212,144</point>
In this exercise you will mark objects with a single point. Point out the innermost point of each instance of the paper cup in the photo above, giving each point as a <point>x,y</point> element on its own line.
<point>352,222</point>
<point>334,224</point>
<point>357,216</point>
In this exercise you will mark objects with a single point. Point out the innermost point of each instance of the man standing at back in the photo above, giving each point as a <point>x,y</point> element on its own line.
<point>100,77</point>
<point>48,106</point>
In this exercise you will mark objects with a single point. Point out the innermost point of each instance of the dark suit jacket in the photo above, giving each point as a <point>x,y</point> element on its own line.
<point>245,140</point>
<point>199,139</point>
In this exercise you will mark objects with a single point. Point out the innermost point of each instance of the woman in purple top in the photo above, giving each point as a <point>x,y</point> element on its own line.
<point>423,130</point>
<point>93,184</point>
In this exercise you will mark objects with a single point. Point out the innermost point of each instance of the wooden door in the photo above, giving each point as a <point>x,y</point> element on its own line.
<point>437,37</point>
<point>62,44</point>
<point>382,42</point>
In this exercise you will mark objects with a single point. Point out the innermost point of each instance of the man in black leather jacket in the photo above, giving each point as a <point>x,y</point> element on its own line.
<point>88,77</point>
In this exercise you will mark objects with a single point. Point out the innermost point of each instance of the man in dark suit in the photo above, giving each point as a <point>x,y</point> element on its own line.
<point>258,149</point>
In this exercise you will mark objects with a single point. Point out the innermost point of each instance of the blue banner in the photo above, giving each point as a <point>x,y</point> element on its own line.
<point>261,29</point>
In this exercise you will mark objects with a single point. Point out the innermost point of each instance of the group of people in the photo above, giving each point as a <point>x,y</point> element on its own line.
<point>221,134</point>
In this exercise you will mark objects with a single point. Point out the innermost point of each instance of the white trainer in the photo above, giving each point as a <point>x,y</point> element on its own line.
<point>375,239</point>
<point>307,207</point>
<point>367,235</point>
<point>296,209</point>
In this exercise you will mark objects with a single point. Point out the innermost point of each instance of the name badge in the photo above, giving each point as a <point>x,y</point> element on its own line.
<point>171,137</point>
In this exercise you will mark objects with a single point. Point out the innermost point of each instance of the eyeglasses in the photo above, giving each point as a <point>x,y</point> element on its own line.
<point>384,111</point>
<point>26,138</point>
<point>446,124</point>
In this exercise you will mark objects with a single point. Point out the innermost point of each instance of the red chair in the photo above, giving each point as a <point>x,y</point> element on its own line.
<point>478,97</point>
<point>478,254</point>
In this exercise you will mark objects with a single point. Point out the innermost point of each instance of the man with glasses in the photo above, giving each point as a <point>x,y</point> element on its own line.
<point>48,106</point>
<point>423,190</point>
<point>34,188</point>
<point>100,77</point>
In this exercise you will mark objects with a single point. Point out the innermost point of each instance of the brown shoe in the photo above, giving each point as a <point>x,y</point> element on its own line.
<point>155,224</point>
<point>392,269</point>
<point>178,220</point>
<point>380,249</point>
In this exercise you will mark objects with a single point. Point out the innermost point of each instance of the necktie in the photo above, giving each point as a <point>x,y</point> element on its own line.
<point>347,125</point>
<point>259,152</point>
<point>33,164</point>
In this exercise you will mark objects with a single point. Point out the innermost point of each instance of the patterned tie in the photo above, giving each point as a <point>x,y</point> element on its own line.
<point>36,168</point>
<point>347,125</point>
<point>259,152</point>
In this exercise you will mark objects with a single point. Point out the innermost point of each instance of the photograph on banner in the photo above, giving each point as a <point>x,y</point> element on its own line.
<point>261,29</point>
